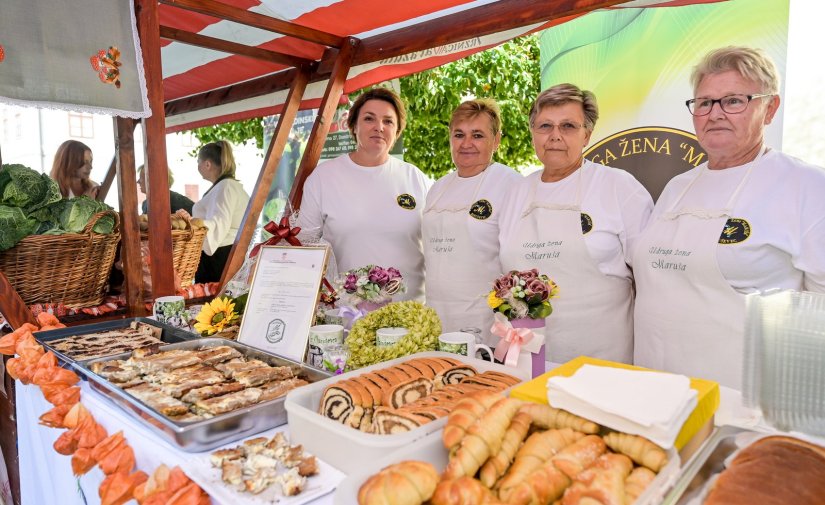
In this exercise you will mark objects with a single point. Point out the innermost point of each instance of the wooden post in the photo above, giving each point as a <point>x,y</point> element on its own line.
<point>129,230</point>
<point>157,172</point>
<point>110,177</point>
<point>326,113</point>
<point>268,172</point>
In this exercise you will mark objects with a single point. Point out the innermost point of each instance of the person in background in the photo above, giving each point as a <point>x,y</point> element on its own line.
<point>576,221</point>
<point>749,219</point>
<point>177,201</point>
<point>221,208</point>
<point>368,204</point>
<point>71,169</point>
<point>461,221</point>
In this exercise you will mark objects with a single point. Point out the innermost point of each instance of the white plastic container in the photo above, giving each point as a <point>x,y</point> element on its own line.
<point>430,449</point>
<point>346,448</point>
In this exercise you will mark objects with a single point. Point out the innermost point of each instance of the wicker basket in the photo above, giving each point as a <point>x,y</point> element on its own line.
<point>71,269</point>
<point>186,251</point>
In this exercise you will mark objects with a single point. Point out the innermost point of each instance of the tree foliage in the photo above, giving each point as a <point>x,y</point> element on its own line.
<point>509,73</point>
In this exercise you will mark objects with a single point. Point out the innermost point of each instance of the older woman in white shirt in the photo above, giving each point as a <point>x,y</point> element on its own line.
<point>576,221</point>
<point>222,208</point>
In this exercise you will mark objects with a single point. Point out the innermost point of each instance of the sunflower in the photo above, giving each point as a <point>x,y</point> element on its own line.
<point>216,316</point>
<point>493,301</point>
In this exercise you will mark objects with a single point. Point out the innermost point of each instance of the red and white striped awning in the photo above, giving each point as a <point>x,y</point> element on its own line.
<point>190,71</point>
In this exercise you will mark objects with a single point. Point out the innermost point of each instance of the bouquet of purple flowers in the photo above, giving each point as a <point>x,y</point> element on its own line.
<point>517,295</point>
<point>372,283</point>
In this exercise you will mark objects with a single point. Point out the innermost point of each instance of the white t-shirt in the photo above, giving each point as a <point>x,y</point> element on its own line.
<point>617,205</point>
<point>359,211</point>
<point>783,204</point>
<point>498,180</point>
<point>222,209</point>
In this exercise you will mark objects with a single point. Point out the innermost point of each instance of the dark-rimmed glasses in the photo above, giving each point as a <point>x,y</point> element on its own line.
<point>732,104</point>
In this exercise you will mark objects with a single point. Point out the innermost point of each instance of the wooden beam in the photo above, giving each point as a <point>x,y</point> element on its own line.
<point>157,173</point>
<point>267,175</point>
<point>230,13</point>
<point>107,181</point>
<point>249,89</point>
<point>226,46</point>
<point>476,22</point>
<point>326,112</point>
<point>129,229</point>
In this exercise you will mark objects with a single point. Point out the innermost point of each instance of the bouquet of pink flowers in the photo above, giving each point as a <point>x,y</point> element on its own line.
<point>519,295</point>
<point>372,283</point>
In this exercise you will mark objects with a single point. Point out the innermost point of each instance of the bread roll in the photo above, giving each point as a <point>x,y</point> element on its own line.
<point>463,491</point>
<point>547,417</point>
<point>639,449</point>
<point>404,483</point>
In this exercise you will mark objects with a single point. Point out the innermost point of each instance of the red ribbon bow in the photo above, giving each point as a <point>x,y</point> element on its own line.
<point>279,232</point>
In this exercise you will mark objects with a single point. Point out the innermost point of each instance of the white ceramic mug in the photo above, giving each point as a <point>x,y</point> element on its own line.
<point>458,342</point>
<point>385,337</point>
<point>171,310</point>
<point>321,336</point>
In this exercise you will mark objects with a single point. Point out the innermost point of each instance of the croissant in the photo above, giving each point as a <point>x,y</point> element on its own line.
<point>463,491</point>
<point>603,482</point>
<point>404,483</point>
<point>498,464</point>
<point>538,448</point>
<point>547,417</point>
<point>579,455</point>
<point>465,414</point>
<point>483,439</point>
<point>636,483</point>
<point>544,485</point>
<point>639,449</point>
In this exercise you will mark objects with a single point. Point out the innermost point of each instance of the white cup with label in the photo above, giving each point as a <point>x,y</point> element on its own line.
<point>171,310</point>
<point>320,337</point>
<point>458,342</point>
<point>385,337</point>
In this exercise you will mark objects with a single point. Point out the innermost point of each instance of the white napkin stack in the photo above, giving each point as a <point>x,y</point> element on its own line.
<point>654,405</point>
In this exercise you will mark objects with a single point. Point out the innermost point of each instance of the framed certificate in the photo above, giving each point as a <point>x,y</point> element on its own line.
<point>282,298</point>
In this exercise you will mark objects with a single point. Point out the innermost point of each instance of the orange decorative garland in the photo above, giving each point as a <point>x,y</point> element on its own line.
<point>84,439</point>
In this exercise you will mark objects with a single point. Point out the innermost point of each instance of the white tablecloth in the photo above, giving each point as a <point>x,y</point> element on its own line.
<point>46,476</point>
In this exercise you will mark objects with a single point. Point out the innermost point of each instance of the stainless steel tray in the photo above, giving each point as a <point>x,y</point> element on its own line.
<point>704,465</point>
<point>210,433</point>
<point>168,334</point>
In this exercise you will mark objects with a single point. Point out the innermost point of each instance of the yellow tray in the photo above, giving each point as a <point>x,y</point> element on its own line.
<point>708,397</point>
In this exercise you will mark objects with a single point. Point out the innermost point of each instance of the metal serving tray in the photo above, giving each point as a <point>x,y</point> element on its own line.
<point>708,462</point>
<point>222,429</point>
<point>168,334</point>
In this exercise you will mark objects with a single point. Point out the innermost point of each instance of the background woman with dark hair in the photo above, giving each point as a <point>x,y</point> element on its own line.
<point>222,208</point>
<point>368,204</point>
<point>71,169</point>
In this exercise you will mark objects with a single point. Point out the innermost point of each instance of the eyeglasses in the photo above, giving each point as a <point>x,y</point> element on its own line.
<point>565,128</point>
<point>732,104</point>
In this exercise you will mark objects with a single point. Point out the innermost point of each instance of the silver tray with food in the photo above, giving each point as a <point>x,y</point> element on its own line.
<point>737,465</point>
<point>203,393</point>
<point>79,344</point>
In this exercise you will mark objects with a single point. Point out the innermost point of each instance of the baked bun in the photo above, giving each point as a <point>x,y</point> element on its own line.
<point>404,483</point>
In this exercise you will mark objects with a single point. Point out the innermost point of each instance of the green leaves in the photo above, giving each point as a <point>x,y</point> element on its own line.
<point>236,132</point>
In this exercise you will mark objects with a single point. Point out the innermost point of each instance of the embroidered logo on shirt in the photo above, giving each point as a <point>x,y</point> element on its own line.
<point>406,201</point>
<point>736,230</point>
<point>587,223</point>
<point>481,210</point>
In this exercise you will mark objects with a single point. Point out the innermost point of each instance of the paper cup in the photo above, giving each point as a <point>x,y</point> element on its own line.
<point>458,342</point>
<point>171,310</point>
<point>321,336</point>
<point>385,337</point>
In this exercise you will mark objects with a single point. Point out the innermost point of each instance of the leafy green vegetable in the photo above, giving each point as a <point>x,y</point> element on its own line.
<point>73,214</point>
<point>23,187</point>
<point>14,225</point>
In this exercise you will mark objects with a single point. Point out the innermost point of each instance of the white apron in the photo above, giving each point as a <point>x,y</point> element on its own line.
<point>457,278</point>
<point>688,318</point>
<point>593,315</point>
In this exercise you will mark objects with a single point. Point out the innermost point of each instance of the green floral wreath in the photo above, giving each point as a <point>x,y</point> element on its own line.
<point>422,321</point>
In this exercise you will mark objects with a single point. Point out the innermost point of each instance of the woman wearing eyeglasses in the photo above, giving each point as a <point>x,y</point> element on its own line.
<point>576,221</point>
<point>749,219</point>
